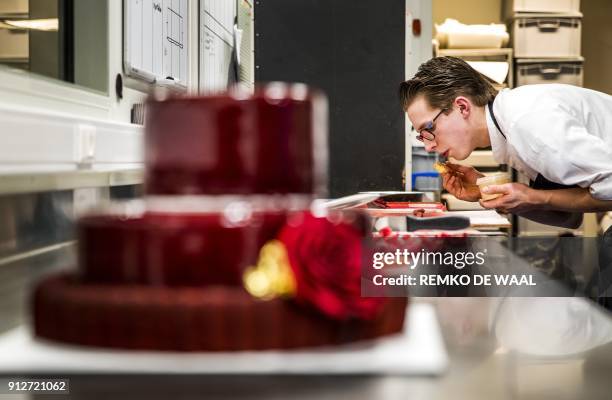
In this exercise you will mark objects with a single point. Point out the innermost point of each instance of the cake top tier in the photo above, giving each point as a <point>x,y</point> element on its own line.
<point>272,141</point>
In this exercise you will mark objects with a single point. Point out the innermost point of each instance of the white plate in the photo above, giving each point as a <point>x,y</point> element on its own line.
<point>419,350</point>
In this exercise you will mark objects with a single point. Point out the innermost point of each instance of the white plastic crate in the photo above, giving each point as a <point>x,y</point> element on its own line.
<point>546,35</point>
<point>543,6</point>
<point>534,71</point>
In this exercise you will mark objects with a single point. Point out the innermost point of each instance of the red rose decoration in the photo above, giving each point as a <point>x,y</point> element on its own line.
<point>325,255</point>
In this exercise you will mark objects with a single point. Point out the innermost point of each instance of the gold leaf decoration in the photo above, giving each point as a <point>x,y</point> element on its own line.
<point>272,276</point>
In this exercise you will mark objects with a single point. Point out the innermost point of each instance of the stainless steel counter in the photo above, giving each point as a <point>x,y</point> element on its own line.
<point>574,361</point>
<point>512,348</point>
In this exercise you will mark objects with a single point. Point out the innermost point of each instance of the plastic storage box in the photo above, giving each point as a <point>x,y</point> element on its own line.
<point>534,71</point>
<point>543,6</point>
<point>426,181</point>
<point>546,35</point>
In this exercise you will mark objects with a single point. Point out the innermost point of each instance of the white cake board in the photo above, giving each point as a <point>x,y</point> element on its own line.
<point>419,350</point>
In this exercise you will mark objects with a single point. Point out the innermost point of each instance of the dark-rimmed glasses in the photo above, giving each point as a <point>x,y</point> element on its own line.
<point>428,129</point>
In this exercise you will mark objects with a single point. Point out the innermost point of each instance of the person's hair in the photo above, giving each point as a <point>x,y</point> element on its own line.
<point>442,79</point>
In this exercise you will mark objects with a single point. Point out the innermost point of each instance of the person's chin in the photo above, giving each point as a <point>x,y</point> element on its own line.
<point>459,156</point>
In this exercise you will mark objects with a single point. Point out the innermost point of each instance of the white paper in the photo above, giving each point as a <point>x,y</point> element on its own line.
<point>480,218</point>
<point>455,35</point>
<point>156,42</point>
<point>496,70</point>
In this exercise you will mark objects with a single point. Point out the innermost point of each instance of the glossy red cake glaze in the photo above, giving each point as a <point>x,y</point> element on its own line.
<point>173,249</point>
<point>166,272</point>
<point>218,318</point>
<point>227,144</point>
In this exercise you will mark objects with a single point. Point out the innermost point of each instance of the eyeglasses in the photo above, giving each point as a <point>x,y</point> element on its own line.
<point>428,129</point>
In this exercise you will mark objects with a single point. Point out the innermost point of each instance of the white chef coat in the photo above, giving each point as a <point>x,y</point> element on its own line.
<point>562,132</point>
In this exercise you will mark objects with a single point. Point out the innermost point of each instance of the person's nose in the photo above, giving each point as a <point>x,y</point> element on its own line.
<point>430,146</point>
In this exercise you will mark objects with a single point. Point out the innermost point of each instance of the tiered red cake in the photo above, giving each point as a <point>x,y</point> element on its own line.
<point>221,254</point>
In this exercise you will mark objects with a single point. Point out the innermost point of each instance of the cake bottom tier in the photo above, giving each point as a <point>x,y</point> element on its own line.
<point>216,318</point>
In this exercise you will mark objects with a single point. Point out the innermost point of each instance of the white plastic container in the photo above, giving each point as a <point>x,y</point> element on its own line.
<point>546,35</point>
<point>493,179</point>
<point>536,71</point>
<point>543,6</point>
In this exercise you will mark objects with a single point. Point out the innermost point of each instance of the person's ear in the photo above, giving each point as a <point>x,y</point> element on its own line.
<point>464,105</point>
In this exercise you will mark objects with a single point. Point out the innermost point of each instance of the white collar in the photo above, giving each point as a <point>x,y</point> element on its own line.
<point>498,142</point>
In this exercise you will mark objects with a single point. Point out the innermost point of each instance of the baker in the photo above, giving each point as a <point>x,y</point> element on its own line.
<point>560,136</point>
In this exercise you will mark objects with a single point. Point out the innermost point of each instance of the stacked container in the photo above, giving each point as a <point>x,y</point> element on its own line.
<point>546,38</point>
